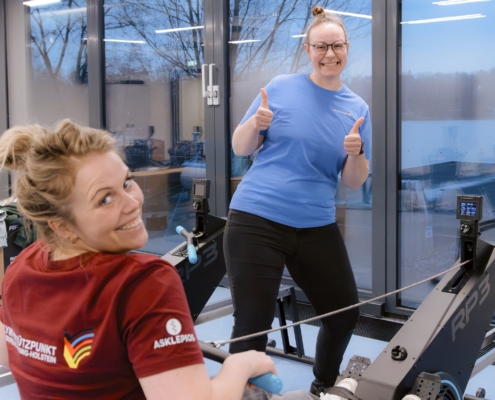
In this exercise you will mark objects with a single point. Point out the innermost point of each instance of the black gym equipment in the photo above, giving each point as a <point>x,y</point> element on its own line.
<point>200,263</point>
<point>433,355</point>
<point>200,260</point>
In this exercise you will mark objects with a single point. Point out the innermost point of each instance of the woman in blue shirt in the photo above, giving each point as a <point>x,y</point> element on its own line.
<point>309,129</point>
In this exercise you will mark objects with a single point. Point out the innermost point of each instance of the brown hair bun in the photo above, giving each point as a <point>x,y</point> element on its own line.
<point>318,10</point>
<point>324,17</point>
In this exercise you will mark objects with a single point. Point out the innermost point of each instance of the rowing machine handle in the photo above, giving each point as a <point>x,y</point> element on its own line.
<point>269,382</point>
<point>191,249</point>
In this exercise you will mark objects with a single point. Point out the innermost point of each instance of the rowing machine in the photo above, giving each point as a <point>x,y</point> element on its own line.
<point>433,355</point>
<point>200,261</point>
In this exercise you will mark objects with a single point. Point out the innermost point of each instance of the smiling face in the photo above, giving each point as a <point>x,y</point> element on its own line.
<point>327,67</point>
<point>106,206</point>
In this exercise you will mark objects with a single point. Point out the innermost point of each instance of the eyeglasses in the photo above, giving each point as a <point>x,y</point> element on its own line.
<point>337,47</point>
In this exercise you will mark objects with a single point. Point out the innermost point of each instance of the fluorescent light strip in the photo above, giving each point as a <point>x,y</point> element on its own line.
<point>179,29</point>
<point>123,41</point>
<point>243,41</point>
<point>69,11</point>
<point>427,21</point>
<point>350,14</point>
<point>298,36</point>
<point>35,3</point>
<point>454,2</point>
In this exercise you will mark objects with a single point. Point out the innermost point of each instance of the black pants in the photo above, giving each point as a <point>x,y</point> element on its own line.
<point>256,251</point>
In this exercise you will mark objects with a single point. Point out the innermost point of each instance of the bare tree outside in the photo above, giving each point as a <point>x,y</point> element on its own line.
<point>58,69</point>
<point>266,29</point>
<point>161,56</point>
<point>58,38</point>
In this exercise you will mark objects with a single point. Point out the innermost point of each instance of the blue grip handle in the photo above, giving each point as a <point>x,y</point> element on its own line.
<point>191,254</point>
<point>191,250</point>
<point>269,382</point>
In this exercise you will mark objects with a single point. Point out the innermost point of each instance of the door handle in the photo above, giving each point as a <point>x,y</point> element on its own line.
<point>211,91</point>
<point>204,89</point>
<point>214,88</point>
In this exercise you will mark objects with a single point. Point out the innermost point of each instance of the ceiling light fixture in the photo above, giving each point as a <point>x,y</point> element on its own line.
<point>350,14</point>
<point>69,11</point>
<point>454,2</point>
<point>35,3</point>
<point>178,29</point>
<point>427,21</point>
<point>244,41</point>
<point>124,41</point>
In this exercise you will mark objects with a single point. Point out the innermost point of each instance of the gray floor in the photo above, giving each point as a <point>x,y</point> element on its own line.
<point>295,375</point>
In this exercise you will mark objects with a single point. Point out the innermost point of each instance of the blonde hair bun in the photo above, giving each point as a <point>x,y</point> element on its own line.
<point>16,143</point>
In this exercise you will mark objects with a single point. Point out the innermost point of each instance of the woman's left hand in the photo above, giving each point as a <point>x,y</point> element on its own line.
<point>352,142</point>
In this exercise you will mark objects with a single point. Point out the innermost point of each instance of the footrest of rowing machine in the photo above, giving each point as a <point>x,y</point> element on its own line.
<point>355,368</point>
<point>426,384</point>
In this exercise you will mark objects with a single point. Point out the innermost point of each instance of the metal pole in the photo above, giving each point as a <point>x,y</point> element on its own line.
<point>96,64</point>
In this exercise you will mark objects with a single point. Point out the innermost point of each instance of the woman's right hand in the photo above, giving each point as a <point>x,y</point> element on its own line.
<point>253,363</point>
<point>192,382</point>
<point>263,117</point>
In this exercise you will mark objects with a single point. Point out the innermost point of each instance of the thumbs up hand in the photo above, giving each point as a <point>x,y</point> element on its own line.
<point>263,117</point>
<point>352,142</point>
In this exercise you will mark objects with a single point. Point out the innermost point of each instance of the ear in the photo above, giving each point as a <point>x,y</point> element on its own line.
<point>60,228</point>
<point>306,49</point>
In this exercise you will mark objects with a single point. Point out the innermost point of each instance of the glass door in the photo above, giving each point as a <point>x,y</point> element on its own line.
<point>447,144</point>
<point>156,80</point>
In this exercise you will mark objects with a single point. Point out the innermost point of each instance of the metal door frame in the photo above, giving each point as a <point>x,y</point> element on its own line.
<point>217,117</point>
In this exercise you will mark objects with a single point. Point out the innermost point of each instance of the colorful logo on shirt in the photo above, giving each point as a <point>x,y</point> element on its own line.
<point>78,346</point>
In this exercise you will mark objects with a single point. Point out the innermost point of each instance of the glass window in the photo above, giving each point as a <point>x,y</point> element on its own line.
<point>50,79</point>
<point>447,132</point>
<point>154,53</point>
<point>266,39</point>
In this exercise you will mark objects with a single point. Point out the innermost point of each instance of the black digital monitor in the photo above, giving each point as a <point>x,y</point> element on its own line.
<point>469,207</point>
<point>201,188</point>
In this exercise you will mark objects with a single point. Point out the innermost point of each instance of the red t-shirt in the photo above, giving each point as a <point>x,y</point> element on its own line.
<point>90,326</point>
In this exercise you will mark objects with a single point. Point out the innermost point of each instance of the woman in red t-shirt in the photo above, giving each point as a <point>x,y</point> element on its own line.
<point>82,318</point>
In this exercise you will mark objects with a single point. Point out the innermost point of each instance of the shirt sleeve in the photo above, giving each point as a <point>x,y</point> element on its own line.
<point>158,330</point>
